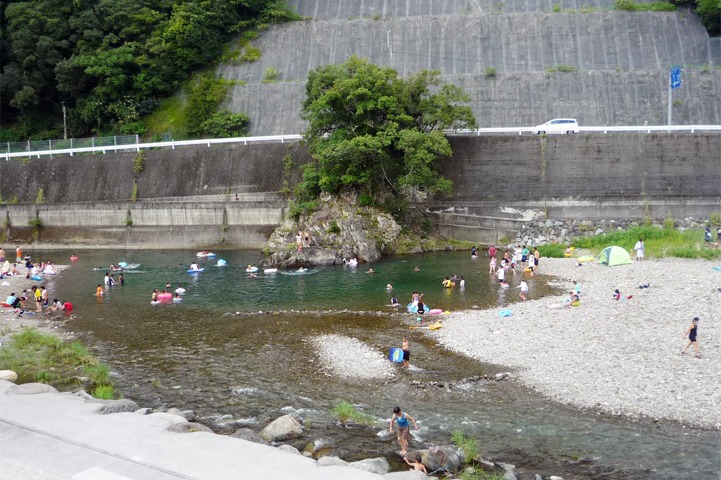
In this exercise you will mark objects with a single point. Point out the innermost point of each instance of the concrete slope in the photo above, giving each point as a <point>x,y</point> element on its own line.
<point>620,62</point>
<point>58,436</point>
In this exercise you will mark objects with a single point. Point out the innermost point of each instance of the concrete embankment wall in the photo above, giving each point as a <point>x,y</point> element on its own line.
<point>186,197</point>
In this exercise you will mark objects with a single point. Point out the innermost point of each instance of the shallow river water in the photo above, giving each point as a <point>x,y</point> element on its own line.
<point>238,351</point>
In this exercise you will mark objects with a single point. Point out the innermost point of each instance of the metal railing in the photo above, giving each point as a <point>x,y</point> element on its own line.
<point>73,149</point>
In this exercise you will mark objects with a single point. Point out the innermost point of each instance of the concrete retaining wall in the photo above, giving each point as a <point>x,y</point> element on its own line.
<point>187,196</point>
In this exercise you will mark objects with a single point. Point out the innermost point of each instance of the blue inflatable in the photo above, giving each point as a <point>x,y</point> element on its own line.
<point>395,355</point>
<point>505,313</point>
<point>196,271</point>
<point>37,278</point>
<point>222,263</point>
<point>414,308</point>
<point>123,265</point>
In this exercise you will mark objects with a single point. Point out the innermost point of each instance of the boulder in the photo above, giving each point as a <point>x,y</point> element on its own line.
<point>168,417</point>
<point>289,449</point>
<point>31,389</point>
<point>377,465</point>
<point>189,427</point>
<point>331,461</point>
<point>434,458</point>
<point>283,428</point>
<point>8,375</point>
<point>408,475</point>
<point>189,415</point>
<point>118,406</point>
<point>248,435</point>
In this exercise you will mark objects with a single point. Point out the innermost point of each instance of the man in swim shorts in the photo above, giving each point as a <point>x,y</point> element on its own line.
<point>406,353</point>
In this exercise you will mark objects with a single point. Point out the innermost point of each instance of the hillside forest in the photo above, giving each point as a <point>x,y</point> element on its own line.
<point>109,64</point>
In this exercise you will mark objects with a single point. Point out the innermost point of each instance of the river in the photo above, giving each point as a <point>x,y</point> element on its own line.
<point>238,351</point>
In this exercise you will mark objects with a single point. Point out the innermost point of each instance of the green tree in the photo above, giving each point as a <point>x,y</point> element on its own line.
<point>376,134</point>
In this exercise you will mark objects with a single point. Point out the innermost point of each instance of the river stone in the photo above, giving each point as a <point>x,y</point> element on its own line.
<point>377,465</point>
<point>289,449</point>
<point>331,461</point>
<point>282,428</point>
<point>32,389</point>
<point>408,475</point>
<point>450,457</point>
<point>169,417</point>
<point>118,406</point>
<point>189,415</point>
<point>8,375</point>
<point>248,435</point>
<point>189,427</point>
<point>144,411</point>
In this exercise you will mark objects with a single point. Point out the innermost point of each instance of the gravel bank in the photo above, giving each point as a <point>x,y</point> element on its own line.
<point>621,357</point>
<point>11,322</point>
<point>350,358</point>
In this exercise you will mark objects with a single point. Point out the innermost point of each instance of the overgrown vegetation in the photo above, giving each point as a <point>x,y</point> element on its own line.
<point>658,242</point>
<point>467,444</point>
<point>111,63</point>
<point>562,68</point>
<point>271,75</point>
<point>631,6</point>
<point>552,250</point>
<point>348,412</point>
<point>40,357</point>
<point>377,135</point>
<point>139,162</point>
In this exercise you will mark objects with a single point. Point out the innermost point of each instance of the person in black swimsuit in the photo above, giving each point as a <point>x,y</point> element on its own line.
<point>692,333</point>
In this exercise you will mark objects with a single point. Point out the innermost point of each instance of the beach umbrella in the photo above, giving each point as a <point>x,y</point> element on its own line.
<point>613,256</point>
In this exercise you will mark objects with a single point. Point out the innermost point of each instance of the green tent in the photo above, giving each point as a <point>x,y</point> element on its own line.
<point>614,256</point>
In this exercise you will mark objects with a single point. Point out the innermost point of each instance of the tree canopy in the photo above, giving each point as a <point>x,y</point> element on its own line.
<point>376,134</point>
<point>109,61</point>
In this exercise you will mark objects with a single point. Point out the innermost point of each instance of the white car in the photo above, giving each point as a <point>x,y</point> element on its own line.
<point>557,125</point>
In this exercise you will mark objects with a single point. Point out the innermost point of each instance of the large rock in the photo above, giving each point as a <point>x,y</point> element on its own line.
<point>331,461</point>
<point>283,428</point>
<point>118,406</point>
<point>8,375</point>
<point>377,465</point>
<point>189,427</point>
<point>449,457</point>
<point>32,389</point>
<point>340,229</point>
<point>248,435</point>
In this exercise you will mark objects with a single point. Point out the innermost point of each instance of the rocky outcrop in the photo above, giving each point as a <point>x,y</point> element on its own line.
<point>283,428</point>
<point>339,230</point>
<point>8,375</point>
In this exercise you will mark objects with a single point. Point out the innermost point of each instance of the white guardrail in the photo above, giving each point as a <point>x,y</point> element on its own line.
<point>296,138</point>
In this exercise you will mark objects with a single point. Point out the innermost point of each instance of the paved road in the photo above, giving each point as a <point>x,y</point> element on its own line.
<point>54,436</point>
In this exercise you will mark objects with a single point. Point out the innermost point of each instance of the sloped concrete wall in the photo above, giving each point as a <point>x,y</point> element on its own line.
<point>621,59</point>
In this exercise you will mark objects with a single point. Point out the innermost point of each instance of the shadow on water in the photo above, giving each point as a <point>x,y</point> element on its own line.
<point>216,354</point>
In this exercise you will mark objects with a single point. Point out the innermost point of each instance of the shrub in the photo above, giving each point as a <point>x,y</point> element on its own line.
<point>270,75</point>
<point>251,54</point>
<point>552,250</point>
<point>139,163</point>
<point>333,227</point>
<point>490,72</point>
<point>225,124</point>
<point>467,444</point>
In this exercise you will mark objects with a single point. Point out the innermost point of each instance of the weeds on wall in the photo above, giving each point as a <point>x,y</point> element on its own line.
<point>139,163</point>
<point>134,192</point>
<point>40,196</point>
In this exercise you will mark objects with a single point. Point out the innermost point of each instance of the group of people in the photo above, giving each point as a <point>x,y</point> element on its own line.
<point>454,280</point>
<point>302,239</point>
<point>522,256</point>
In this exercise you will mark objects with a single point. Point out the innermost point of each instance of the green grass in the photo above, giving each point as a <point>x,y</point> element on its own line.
<point>481,475</point>
<point>348,412</point>
<point>552,250</point>
<point>40,357</point>
<point>659,242</point>
<point>631,6</point>
<point>467,444</point>
<point>167,119</point>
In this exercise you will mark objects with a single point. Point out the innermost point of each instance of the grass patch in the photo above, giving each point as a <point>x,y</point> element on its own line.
<point>40,357</point>
<point>659,242</point>
<point>348,412</point>
<point>552,250</point>
<point>631,6</point>
<point>168,119</point>
<point>467,444</point>
<point>481,475</point>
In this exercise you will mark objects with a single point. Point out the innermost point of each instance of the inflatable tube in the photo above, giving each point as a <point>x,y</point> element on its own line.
<point>270,270</point>
<point>718,269</point>
<point>435,326</point>
<point>196,271</point>
<point>155,303</point>
<point>68,307</point>
<point>73,258</point>
<point>251,269</point>
<point>435,311</point>
<point>6,305</point>
<point>177,300</point>
<point>122,265</point>
<point>414,308</point>
<point>222,263</point>
<point>165,296</point>
<point>395,355</point>
<point>585,258</point>
<point>37,278</point>
<point>505,313</point>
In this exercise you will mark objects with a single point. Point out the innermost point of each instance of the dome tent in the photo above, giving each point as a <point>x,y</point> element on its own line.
<point>614,255</point>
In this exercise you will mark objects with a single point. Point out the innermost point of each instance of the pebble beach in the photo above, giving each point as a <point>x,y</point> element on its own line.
<point>619,357</point>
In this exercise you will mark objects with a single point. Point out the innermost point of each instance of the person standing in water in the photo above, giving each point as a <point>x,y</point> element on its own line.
<point>406,352</point>
<point>692,333</point>
<point>403,433</point>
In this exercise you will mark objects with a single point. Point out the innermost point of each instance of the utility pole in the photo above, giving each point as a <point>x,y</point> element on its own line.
<point>65,123</point>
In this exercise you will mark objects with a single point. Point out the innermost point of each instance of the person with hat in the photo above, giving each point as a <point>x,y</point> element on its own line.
<point>692,333</point>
